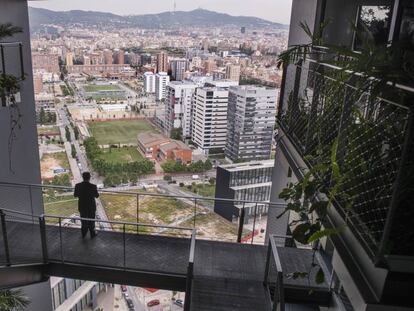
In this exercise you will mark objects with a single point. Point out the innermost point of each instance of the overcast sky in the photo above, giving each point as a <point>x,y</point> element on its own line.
<point>272,10</point>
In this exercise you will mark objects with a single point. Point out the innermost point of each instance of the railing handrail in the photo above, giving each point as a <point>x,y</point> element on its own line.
<point>276,257</point>
<point>144,194</point>
<point>18,212</point>
<point>360,74</point>
<point>127,223</point>
<point>192,246</point>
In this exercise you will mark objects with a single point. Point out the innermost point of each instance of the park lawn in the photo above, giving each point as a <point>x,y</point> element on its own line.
<point>121,155</point>
<point>119,132</point>
<point>97,88</point>
<point>205,190</point>
<point>45,130</point>
<point>62,206</point>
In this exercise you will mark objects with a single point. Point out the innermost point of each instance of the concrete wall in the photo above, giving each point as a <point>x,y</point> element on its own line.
<point>302,11</point>
<point>25,153</point>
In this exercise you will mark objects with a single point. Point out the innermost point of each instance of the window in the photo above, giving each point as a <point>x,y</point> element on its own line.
<point>407,24</point>
<point>373,23</point>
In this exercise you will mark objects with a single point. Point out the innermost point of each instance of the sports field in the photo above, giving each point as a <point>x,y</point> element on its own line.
<point>97,88</point>
<point>118,132</point>
<point>121,155</point>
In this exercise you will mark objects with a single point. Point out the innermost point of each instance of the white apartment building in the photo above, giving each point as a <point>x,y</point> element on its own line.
<point>161,81</point>
<point>178,107</point>
<point>210,118</point>
<point>251,119</point>
<point>149,82</point>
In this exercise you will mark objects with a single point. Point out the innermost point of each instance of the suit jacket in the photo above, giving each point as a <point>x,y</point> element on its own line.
<point>86,192</point>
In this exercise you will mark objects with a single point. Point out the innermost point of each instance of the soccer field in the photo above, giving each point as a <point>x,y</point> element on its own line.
<point>122,132</point>
<point>97,88</point>
<point>121,155</point>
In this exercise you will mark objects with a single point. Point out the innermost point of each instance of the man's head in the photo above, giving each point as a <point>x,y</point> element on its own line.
<point>86,176</point>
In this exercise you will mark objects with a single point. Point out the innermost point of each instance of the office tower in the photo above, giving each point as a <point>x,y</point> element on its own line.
<point>108,60</point>
<point>243,30</point>
<point>149,82</point>
<point>179,108</point>
<point>162,62</point>
<point>251,120</point>
<point>209,130</point>
<point>233,72</point>
<point>120,57</point>
<point>249,181</point>
<point>178,69</point>
<point>161,81</point>
<point>196,62</point>
<point>69,59</point>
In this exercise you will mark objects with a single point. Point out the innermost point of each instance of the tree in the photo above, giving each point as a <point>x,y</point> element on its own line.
<point>76,132</point>
<point>13,300</point>
<point>177,133</point>
<point>208,165</point>
<point>73,151</point>
<point>67,134</point>
<point>42,116</point>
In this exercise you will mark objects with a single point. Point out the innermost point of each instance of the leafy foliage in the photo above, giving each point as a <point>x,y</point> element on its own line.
<point>13,300</point>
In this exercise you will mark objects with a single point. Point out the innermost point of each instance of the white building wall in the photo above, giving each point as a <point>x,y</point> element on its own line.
<point>210,118</point>
<point>161,81</point>
<point>149,82</point>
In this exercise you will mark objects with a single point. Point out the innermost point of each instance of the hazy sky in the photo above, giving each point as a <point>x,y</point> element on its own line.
<point>273,10</point>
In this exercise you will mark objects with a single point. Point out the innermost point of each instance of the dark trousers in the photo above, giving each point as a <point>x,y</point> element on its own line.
<point>88,224</point>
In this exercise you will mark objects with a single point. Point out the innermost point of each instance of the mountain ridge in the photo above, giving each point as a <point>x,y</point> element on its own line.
<point>197,17</point>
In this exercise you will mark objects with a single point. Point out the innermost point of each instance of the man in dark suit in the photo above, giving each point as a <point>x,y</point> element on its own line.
<point>87,192</point>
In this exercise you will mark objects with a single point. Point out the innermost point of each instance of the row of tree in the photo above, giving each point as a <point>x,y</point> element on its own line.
<point>171,166</point>
<point>115,173</point>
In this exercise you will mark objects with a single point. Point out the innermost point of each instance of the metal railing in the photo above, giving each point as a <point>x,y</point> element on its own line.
<point>190,273</point>
<point>149,208</point>
<point>273,278</point>
<point>320,107</point>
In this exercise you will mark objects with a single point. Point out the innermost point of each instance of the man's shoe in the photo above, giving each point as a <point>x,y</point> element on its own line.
<point>94,234</point>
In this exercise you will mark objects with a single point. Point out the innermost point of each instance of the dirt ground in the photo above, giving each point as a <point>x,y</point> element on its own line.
<point>47,164</point>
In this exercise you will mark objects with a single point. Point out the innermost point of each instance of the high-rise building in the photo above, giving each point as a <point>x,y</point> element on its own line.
<point>251,120</point>
<point>149,82</point>
<point>162,62</point>
<point>107,54</point>
<point>233,72</point>
<point>178,69</point>
<point>69,59</point>
<point>179,107</point>
<point>209,130</point>
<point>243,30</point>
<point>120,57</point>
<point>161,81</point>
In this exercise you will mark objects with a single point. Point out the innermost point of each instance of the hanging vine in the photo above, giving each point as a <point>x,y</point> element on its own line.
<point>9,88</point>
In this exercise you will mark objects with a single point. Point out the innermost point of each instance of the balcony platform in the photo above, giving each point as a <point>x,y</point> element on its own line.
<point>227,276</point>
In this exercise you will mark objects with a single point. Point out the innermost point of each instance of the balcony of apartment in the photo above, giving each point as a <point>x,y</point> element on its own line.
<point>327,111</point>
<point>220,272</point>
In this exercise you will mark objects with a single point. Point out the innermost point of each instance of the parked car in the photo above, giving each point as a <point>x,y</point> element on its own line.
<point>179,303</point>
<point>130,303</point>
<point>152,303</point>
<point>123,288</point>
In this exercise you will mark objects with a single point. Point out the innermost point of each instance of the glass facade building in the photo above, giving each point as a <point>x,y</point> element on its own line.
<point>249,181</point>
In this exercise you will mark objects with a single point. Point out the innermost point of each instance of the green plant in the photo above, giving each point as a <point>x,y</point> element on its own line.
<point>13,300</point>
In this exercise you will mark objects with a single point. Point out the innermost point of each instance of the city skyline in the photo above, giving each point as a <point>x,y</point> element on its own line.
<point>275,11</point>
